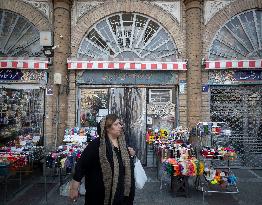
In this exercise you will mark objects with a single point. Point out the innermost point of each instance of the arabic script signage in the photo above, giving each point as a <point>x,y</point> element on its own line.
<point>119,77</point>
<point>235,77</point>
<point>8,75</point>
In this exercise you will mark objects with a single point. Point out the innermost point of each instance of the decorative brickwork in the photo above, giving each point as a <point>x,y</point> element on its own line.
<point>59,101</point>
<point>194,47</point>
<point>43,6</point>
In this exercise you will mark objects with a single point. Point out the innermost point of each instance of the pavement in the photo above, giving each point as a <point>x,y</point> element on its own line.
<point>155,192</point>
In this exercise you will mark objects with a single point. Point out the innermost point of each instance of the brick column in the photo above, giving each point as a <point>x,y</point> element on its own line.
<point>193,51</point>
<point>61,26</point>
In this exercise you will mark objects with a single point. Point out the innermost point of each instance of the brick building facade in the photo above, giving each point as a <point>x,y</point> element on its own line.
<point>193,25</point>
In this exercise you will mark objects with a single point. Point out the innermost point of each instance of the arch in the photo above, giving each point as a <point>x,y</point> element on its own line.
<point>239,38</point>
<point>29,12</point>
<point>110,7</point>
<point>20,29</point>
<point>127,35</point>
<point>223,16</point>
<point>18,36</point>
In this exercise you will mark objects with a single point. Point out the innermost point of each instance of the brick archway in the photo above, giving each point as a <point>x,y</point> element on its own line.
<point>104,10</point>
<point>27,11</point>
<point>218,20</point>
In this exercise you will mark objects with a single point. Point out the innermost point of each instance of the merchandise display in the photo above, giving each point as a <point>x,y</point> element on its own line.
<point>189,167</point>
<point>21,113</point>
<point>21,152</point>
<point>216,149</point>
<point>223,153</point>
<point>177,149</point>
<point>64,157</point>
<point>179,133</point>
<point>80,135</point>
<point>213,133</point>
<point>177,157</point>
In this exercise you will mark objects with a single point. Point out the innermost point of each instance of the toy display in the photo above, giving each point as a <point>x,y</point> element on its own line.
<point>215,148</point>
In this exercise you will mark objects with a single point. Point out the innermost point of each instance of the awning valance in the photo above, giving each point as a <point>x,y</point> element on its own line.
<point>233,64</point>
<point>80,63</point>
<point>23,63</point>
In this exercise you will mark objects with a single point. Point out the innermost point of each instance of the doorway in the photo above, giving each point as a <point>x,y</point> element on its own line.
<point>139,108</point>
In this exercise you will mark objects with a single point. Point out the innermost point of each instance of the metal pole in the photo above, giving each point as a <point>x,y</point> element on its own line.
<point>44,145</point>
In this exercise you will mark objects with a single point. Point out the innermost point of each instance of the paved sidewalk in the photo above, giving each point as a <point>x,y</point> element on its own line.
<point>249,185</point>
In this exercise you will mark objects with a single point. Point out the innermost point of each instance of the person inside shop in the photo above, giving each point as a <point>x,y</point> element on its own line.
<point>108,167</point>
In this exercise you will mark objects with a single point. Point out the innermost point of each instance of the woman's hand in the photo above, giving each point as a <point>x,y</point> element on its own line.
<point>132,152</point>
<point>73,191</point>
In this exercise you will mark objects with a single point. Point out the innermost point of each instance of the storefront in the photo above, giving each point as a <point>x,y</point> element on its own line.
<point>22,91</point>
<point>144,94</point>
<point>236,98</point>
<point>129,64</point>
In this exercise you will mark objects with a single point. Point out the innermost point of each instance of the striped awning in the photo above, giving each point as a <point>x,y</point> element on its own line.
<point>233,64</point>
<point>80,63</point>
<point>23,63</point>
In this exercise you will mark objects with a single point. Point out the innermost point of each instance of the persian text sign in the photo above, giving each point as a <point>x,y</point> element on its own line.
<point>118,77</point>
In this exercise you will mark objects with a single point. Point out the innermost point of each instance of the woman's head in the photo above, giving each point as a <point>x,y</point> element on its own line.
<point>113,126</point>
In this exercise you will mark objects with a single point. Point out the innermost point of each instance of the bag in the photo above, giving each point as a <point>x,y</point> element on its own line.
<point>64,189</point>
<point>140,175</point>
<point>82,189</point>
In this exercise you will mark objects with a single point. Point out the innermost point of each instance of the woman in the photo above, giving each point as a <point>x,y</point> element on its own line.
<point>107,166</point>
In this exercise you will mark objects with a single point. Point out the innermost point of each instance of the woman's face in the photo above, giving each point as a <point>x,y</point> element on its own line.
<point>116,129</point>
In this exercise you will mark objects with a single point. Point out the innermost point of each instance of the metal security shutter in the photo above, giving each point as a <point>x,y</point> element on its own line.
<point>241,108</point>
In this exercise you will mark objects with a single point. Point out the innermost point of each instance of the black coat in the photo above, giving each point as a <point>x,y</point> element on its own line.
<point>89,166</point>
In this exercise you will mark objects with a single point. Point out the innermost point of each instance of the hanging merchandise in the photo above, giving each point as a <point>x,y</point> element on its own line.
<point>21,113</point>
<point>64,157</point>
<point>80,135</point>
<point>210,133</point>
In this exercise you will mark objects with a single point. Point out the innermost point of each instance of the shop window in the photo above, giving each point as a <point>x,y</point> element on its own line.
<point>160,95</point>
<point>161,109</point>
<point>93,106</point>
<point>21,113</point>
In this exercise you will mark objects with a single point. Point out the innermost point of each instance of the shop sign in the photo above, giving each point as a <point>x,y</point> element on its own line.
<point>118,77</point>
<point>235,77</point>
<point>10,75</point>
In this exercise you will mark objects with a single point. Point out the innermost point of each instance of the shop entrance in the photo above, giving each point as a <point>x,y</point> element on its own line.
<point>241,108</point>
<point>138,108</point>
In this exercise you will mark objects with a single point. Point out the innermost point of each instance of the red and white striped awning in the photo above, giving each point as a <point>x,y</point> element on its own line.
<point>23,63</point>
<point>235,64</point>
<point>78,63</point>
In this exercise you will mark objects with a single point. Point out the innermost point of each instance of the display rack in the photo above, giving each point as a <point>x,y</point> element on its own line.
<point>217,177</point>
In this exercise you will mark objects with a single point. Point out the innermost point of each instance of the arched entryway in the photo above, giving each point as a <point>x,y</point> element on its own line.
<point>22,77</point>
<point>130,63</point>
<point>236,91</point>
